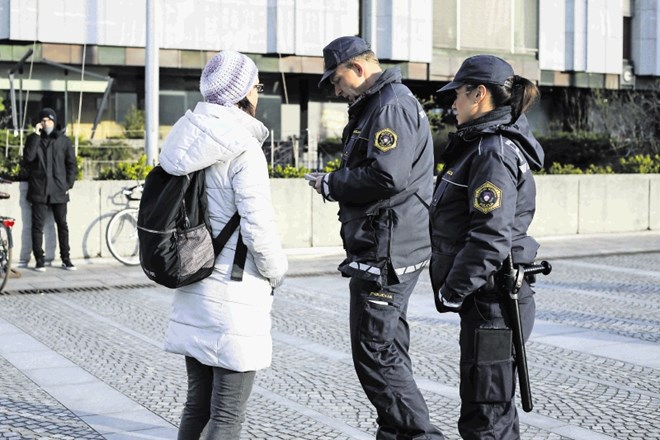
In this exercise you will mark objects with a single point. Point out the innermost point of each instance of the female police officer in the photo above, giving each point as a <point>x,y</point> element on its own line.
<point>481,209</point>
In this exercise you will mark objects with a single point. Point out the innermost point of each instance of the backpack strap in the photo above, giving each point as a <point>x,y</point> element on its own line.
<point>221,240</point>
<point>426,205</point>
<point>241,250</point>
<point>239,260</point>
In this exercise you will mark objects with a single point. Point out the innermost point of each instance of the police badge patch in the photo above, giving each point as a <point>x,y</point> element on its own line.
<point>385,139</point>
<point>487,198</point>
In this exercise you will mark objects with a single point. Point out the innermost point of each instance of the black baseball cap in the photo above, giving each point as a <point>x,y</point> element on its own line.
<point>339,51</point>
<point>480,69</point>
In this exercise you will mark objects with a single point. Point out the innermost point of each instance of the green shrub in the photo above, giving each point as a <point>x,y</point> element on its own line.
<point>599,169</point>
<point>287,172</point>
<point>7,136</point>
<point>580,149</point>
<point>332,165</point>
<point>127,170</point>
<point>134,123</point>
<point>12,169</point>
<point>79,161</point>
<point>558,168</point>
<point>109,151</point>
<point>640,163</point>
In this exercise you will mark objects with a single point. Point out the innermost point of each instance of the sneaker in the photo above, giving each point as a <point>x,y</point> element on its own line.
<point>68,265</point>
<point>40,267</point>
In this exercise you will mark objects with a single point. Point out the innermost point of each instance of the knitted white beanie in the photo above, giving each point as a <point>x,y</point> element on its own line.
<point>227,78</point>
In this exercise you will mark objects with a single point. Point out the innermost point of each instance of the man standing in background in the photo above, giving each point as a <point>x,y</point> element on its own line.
<point>51,164</point>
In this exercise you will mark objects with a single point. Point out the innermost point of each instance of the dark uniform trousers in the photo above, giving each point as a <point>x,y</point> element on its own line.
<point>39,213</point>
<point>488,372</point>
<point>380,339</point>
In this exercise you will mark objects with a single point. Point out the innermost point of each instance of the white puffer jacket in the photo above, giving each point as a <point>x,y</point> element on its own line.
<point>217,321</point>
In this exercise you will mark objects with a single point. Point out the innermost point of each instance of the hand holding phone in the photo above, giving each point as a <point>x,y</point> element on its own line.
<point>38,128</point>
<point>313,178</point>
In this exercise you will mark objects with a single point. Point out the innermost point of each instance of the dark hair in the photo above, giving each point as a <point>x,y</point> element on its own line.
<point>245,105</point>
<point>518,92</point>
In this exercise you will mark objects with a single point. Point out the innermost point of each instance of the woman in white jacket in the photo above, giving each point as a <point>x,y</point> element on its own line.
<point>221,326</point>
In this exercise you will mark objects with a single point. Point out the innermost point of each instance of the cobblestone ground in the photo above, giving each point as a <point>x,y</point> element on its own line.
<point>311,391</point>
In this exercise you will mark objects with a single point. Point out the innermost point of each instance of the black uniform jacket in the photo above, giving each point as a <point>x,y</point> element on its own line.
<point>384,182</point>
<point>483,203</point>
<point>52,167</point>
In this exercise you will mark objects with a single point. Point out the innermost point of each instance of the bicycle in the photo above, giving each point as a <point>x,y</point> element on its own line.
<point>6,242</point>
<point>121,233</point>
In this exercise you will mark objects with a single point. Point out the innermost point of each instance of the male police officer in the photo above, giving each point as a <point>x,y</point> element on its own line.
<point>383,187</point>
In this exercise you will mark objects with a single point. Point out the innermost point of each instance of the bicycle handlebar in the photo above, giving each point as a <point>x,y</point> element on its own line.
<point>133,192</point>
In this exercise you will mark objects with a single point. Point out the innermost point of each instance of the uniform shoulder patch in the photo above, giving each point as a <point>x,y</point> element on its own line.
<point>487,198</point>
<point>385,139</point>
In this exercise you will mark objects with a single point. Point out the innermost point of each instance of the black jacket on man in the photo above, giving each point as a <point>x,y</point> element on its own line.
<point>384,182</point>
<point>52,167</point>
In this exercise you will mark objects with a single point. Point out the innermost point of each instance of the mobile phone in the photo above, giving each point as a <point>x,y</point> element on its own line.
<point>310,177</point>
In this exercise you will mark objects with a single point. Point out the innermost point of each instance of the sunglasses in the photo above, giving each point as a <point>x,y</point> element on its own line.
<point>259,87</point>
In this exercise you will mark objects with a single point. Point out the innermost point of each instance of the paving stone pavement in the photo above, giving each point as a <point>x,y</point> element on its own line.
<point>81,357</point>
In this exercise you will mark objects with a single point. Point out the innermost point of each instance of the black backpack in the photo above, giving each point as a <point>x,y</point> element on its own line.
<point>176,243</point>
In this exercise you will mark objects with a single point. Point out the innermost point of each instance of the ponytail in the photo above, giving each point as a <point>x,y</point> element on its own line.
<point>518,92</point>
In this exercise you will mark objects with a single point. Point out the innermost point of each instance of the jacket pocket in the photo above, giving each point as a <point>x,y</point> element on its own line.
<point>439,191</point>
<point>439,268</point>
<point>361,235</point>
<point>378,322</point>
<point>490,378</point>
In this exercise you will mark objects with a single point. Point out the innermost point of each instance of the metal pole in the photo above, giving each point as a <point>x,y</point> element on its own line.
<point>66,100</point>
<point>21,117</point>
<point>104,101</point>
<point>14,117</point>
<point>151,83</point>
<point>12,95</point>
<point>272,148</point>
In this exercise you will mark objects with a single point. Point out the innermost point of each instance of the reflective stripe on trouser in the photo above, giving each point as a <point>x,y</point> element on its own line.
<point>380,339</point>
<point>488,373</point>
<point>364,267</point>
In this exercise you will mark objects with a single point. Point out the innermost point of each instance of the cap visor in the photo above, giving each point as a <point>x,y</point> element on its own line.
<point>325,77</point>
<point>449,87</point>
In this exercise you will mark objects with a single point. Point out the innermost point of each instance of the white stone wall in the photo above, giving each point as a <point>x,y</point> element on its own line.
<point>574,204</point>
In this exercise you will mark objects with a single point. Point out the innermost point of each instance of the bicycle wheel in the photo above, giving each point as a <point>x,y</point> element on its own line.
<point>5,255</point>
<point>121,237</point>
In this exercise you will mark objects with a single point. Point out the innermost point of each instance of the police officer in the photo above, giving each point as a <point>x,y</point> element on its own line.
<point>383,187</point>
<point>481,209</point>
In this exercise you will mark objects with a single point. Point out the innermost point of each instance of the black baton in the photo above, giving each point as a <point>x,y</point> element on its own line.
<point>513,282</point>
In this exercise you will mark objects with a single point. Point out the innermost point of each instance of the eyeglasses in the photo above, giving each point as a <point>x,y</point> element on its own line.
<point>259,87</point>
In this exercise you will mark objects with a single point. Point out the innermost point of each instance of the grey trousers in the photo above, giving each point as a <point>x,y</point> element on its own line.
<point>217,397</point>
